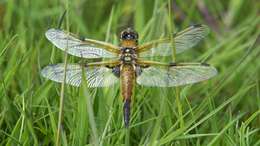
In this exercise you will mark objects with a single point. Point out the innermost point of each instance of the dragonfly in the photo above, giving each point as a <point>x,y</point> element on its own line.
<point>128,63</point>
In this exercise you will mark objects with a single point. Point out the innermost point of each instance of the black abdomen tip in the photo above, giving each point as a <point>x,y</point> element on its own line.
<point>127,112</point>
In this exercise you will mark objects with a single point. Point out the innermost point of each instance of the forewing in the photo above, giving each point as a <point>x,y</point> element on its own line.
<point>175,75</point>
<point>74,46</point>
<point>183,40</point>
<point>95,76</point>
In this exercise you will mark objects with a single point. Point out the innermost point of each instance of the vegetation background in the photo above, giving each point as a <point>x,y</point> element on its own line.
<point>222,111</point>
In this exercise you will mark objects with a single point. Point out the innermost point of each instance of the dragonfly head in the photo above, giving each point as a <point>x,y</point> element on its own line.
<point>129,34</point>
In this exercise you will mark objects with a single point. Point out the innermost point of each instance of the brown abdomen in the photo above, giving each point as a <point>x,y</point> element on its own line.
<point>127,77</point>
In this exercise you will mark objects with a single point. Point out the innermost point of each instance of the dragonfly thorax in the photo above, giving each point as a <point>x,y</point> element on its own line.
<point>127,55</point>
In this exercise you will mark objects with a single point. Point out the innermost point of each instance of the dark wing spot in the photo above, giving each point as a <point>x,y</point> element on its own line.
<point>116,71</point>
<point>173,64</point>
<point>196,25</point>
<point>205,64</point>
<point>138,71</point>
<point>82,38</point>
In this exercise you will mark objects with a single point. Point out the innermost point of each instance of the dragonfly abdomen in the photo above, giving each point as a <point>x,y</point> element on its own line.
<point>127,77</point>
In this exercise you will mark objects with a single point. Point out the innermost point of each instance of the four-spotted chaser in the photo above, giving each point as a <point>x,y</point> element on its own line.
<point>127,63</point>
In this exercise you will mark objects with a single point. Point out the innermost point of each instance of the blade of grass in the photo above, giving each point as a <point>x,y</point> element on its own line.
<point>219,108</point>
<point>90,111</point>
<point>57,143</point>
<point>177,90</point>
<point>245,125</point>
<point>213,141</point>
<point>8,44</point>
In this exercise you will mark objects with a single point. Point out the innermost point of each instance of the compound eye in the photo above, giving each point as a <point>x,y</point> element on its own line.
<point>125,36</point>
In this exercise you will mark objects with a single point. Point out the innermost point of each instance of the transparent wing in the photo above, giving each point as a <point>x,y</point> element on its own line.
<point>162,76</point>
<point>183,40</point>
<point>95,76</point>
<point>86,48</point>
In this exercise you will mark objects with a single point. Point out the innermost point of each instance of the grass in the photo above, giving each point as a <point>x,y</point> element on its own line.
<point>222,111</point>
